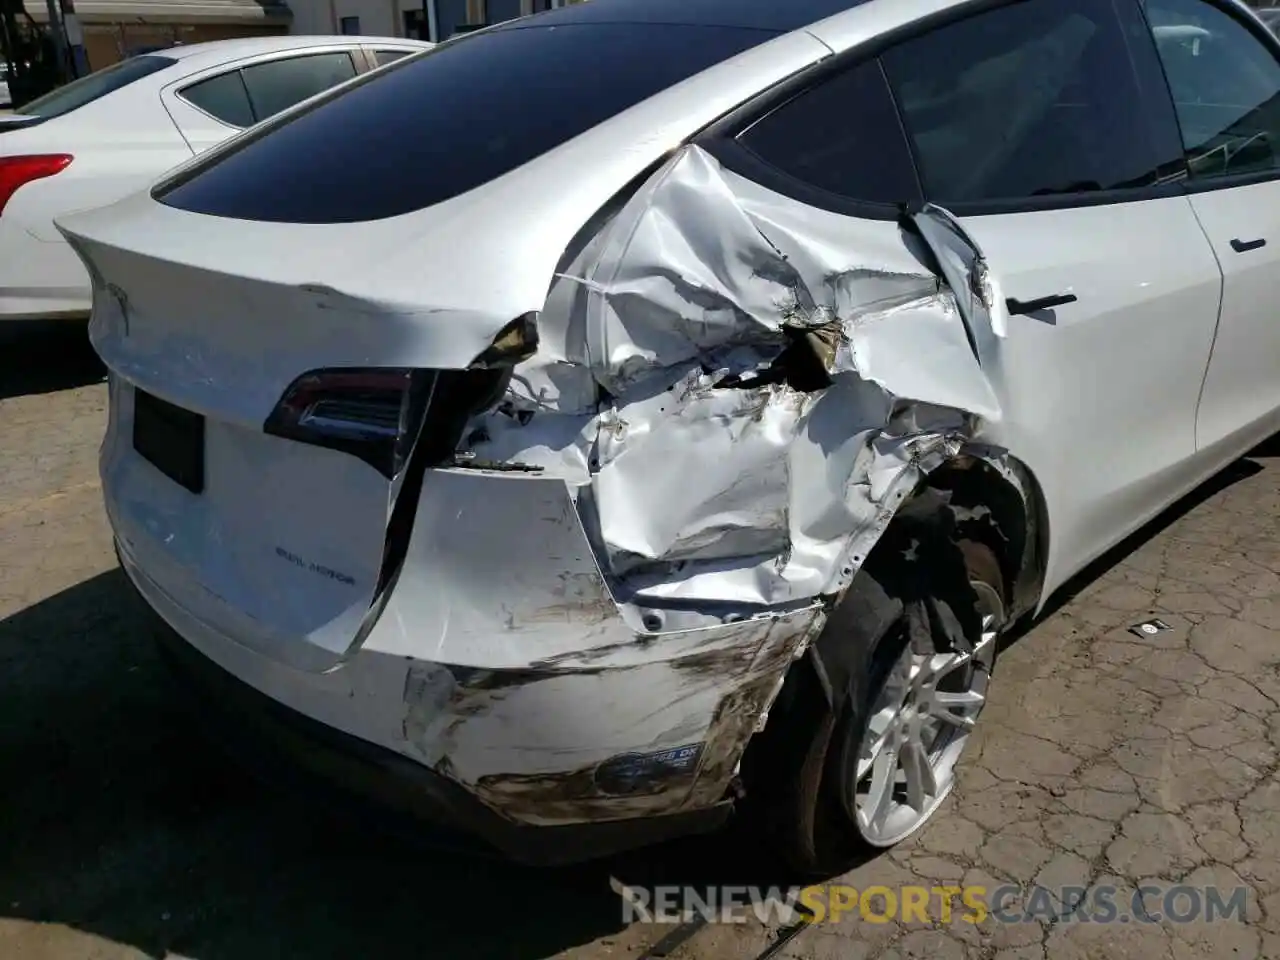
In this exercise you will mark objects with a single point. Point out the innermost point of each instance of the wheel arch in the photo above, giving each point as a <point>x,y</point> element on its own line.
<point>993,498</point>
<point>997,500</point>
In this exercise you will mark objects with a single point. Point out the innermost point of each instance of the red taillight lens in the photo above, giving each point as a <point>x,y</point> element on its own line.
<point>382,414</point>
<point>374,413</point>
<point>17,172</point>
<point>353,410</point>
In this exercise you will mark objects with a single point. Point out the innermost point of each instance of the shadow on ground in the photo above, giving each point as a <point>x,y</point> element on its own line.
<point>1230,475</point>
<point>43,356</point>
<point>1269,449</point>
<point>120,820</point>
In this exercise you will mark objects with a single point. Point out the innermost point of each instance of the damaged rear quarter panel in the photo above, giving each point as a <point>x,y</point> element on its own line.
<point>520,741</point>
<point>708,471</point>
<point>734,395</point>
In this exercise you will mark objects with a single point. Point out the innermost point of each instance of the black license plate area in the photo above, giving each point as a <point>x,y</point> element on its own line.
<point>170,438</point>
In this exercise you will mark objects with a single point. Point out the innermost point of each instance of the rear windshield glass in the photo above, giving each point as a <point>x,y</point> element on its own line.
<point>434,126</point>
<point>93,87</point>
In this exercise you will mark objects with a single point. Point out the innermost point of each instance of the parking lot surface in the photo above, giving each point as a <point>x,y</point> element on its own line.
<point>1107,760</point>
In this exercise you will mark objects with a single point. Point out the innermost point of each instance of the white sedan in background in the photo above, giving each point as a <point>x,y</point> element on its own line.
<point>106,135</point>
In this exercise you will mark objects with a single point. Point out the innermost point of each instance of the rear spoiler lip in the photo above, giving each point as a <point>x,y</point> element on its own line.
<point>18,121</point>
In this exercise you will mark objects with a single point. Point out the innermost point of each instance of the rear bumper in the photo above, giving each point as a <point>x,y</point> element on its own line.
<point>379,727</point>
<point>263,732</point>
<point>501,678</point>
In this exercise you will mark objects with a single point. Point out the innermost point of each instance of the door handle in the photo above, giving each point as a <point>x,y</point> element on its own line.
<point>1016,306</point>
<point>1243,246</point>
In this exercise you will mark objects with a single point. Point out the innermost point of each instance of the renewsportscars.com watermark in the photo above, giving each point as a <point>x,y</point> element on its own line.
<point>832,903</point>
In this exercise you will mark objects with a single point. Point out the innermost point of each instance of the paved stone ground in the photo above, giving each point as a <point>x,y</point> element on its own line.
<point>1103,759</point>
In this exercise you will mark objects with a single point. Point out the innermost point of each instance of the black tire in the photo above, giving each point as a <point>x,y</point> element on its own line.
<point>796,772</point>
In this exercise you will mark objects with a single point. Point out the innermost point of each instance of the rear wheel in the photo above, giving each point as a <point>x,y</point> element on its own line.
<point>915,730</point>
<point>865,739</point>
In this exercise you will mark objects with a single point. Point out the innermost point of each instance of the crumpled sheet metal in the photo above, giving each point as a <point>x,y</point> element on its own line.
<point>665,391</point>
<point>703,261</point>
<point>515,738</point>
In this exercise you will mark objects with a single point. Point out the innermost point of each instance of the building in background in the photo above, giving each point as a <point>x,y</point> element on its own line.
<point>115,29</point>
<point>434,20</point>
<point>110,30</point>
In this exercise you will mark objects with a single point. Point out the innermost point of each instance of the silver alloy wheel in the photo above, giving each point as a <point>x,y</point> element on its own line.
<point>917,729</point>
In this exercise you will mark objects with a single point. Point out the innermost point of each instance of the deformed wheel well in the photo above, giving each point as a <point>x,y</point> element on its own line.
<point>993,502</point>
<point>1004,509</point>
<point>1001,507</point>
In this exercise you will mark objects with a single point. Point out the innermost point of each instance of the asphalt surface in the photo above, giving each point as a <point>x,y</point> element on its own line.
<point>1105,760</point>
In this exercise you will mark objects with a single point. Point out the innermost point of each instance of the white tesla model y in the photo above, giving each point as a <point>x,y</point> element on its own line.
<point>656,407</point>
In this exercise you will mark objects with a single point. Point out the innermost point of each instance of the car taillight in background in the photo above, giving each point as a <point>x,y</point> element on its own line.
<point>17,172</point>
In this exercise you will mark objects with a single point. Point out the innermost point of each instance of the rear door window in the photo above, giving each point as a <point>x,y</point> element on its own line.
<point>383,57</point>
<point>95,86</point>
<point>1225,85</point>
<point>224,98</point>
<point>279,84</point>
<point>436,125</point>
<point>1033,100</point>
<point>841,137</point>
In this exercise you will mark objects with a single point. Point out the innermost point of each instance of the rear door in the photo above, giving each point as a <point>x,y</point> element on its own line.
<point>1225,80</point>
<point>1030,123</point>
<point>1045,126</point>
<point>221,102</point>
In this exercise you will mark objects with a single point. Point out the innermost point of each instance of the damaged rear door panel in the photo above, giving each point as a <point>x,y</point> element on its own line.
<point>1117,370</point>
<point>1068,181</point>
<point>731,397</point>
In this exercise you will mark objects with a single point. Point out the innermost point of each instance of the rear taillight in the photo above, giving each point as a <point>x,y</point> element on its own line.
<point>17,172</point>
<point>349,410</point>
<point>375,414</point>
<point>353,410</point>
<point>382,414</point>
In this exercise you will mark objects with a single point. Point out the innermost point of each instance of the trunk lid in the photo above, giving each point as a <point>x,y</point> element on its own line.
<point>221,316</point>
<point>276,543</point>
